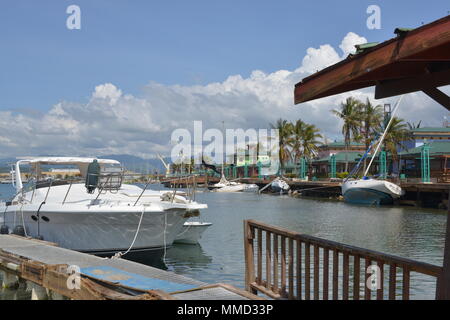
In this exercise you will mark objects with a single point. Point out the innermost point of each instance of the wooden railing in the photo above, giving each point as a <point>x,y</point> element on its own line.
<point>288,265</point>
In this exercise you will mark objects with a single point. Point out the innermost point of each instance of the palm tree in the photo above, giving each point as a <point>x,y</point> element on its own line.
<point>284,134</point>
<point>304,141</point>
<point>296,143</point>
<point>371,117</point>
<point>412,125</point>
<point>311,141</point>
<point>350,113</point>
<point>396,136</point>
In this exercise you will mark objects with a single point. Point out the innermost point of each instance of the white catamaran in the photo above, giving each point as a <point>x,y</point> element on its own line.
<point>367,190</point>
<point>96,213</point>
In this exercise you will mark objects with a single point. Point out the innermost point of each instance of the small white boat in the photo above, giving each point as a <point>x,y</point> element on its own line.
<point>230,186</point>
<point>370,191</point>
<point>279,186</point>
<point>192,232</point>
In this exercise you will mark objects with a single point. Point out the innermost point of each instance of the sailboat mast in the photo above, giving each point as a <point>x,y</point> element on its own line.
<point>384,135</point>
<point>223,134</point>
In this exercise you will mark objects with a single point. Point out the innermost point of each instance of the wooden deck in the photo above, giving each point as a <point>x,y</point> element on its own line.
<point>75,275</point>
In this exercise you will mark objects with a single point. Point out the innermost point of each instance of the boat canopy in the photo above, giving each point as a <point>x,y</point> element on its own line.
<point>65,160</point>
<point>81,162</point>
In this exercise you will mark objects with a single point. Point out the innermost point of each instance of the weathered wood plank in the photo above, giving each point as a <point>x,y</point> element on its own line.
<point>307,272</point>
<point>259,256</point>
<point>335,274</point>
<point>392,281</point>
<point>356,277</point>
<point>291,268</point>
<point>268,260</point>
<point>299,269</point>
<point>326,261</point>
<point>345,276</point>
<point>316,272</point>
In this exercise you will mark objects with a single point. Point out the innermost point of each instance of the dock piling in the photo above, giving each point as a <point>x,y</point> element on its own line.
<point>9,280</point>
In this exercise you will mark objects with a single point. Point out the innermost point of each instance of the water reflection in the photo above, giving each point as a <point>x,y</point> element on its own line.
<point>408,232</point>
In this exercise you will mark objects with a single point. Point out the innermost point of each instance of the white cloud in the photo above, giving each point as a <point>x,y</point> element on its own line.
<point>348,43</point>
<point>115,122</point>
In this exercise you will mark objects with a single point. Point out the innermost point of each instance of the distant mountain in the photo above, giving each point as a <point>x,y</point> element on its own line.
<point>138,164</point>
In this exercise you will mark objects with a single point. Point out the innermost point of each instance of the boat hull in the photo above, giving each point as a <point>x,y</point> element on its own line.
<point>367,197</point>
<point>370,192</point>
<point>279,186</point>
<point>102,231</point>
<point>192,232</point>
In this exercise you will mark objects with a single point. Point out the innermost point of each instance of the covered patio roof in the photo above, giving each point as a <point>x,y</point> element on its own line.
<point>415,60</point>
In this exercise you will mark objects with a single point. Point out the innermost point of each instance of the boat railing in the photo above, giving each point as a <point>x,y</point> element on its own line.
<point>283,264</point>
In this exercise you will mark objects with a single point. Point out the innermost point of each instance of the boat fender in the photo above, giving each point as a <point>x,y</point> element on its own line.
<point>191,213</point>
<point>4,229</point>
<point>19,230</point>
<point>92,176</point>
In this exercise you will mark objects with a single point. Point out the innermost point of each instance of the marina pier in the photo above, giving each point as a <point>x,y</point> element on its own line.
<point>417,194</point>
<point>56,273</point>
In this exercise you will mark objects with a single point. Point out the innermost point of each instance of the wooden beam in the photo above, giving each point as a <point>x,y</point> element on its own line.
<point>443,284</point>
<point>343,76</point>
<point>390,88</point>
<point>439,96</point>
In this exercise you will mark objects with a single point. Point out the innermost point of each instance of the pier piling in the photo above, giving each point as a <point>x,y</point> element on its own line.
<point>9,280</point>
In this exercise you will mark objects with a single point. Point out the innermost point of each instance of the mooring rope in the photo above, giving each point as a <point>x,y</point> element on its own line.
<point>119,254</point>
<point>23,221</point>
<point>164,237</point>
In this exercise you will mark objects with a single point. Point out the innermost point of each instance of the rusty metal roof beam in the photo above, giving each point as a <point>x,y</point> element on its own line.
<point>390,60</point>
<point>389,88</point>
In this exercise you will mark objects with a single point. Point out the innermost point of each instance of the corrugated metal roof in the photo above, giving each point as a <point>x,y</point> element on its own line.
<point>340,157</point>
<point>436,148</point>
<point>431,129</point>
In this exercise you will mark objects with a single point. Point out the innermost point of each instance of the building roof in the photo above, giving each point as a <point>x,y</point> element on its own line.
<point>415,60</point>
<point>341,144</point>
<point>340,157</point>
<point>437,148</point>
<point>431,129</point>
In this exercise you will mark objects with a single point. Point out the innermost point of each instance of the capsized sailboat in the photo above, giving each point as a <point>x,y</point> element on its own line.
<point>367,190</point>
<point>370,191</point>
<point>279,186</point>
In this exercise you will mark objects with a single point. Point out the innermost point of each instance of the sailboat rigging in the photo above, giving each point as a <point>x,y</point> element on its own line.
<point>368,190</point>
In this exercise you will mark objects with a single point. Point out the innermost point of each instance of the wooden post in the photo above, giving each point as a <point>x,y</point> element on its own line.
<point>443,282</point>
<point>249,257</point>
<point>10,280</point>
<point>37,292</point>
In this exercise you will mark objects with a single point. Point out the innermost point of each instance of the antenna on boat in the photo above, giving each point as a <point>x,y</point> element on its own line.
<point>384,134</point>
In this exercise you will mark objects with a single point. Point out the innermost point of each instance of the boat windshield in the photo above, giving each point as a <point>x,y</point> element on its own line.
<point>35,177</point>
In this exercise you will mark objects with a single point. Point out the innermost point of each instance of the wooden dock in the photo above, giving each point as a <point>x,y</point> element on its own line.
<point>52,272</point>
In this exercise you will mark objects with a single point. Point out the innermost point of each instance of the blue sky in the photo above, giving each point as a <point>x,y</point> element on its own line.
<point>132,43</point>
<point>138,70</point>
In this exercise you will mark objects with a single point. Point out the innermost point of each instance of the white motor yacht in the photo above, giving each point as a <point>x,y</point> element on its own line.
<point>96,213</point>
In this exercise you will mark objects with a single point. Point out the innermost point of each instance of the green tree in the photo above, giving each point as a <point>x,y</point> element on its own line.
<point>350,113</point>
<point>305,140</point>
<point>372,117</point>
<point>285,129</point>
<point>396,136</point>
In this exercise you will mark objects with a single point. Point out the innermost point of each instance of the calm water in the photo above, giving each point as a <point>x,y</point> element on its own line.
<point>408,232</point>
